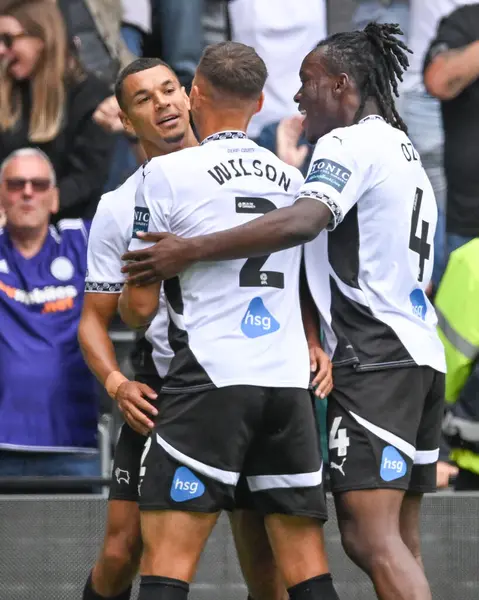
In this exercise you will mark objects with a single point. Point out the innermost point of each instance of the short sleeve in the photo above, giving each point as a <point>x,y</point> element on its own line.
<point>453,32</point>
<point>153,201</point>
<point>106,245</point>
<point>335,176</point>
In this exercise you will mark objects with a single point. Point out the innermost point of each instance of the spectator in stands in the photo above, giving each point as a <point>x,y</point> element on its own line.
<point>47,100</point>
<point>451,73</point>
<point>48,399</point>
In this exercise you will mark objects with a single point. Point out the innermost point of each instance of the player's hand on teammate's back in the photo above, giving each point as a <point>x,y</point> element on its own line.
<point>132,400</point>
<point>322,366</point>
<point>164,260</point>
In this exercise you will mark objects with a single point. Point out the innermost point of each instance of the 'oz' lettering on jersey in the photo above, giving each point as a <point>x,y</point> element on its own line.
<point>251,274</point>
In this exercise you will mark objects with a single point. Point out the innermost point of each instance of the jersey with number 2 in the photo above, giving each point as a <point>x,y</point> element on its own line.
<point>233,322</point>
<point>371,287</point>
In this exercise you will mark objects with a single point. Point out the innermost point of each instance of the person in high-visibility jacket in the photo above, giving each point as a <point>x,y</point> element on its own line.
<point>457,307</point>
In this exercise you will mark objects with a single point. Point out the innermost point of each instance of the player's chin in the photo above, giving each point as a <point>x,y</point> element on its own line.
<point>175,136</point>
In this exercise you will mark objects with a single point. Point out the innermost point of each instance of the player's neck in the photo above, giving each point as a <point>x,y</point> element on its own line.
<point>28,242</point>
<point>233,122</point>
<point>370,108</point>
<point>188,141</point>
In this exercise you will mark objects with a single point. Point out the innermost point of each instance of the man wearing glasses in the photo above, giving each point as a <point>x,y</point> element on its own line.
<point>48,404</point>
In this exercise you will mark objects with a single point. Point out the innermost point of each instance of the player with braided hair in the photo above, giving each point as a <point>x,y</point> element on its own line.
<point>367,216</point>
<point>376,60</point>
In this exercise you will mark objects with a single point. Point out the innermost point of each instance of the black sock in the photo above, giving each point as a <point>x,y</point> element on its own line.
<point>316,588</point>
<point>90,594</point>
<point>162,588</point>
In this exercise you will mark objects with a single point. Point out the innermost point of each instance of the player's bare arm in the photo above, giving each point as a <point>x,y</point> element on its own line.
<point>452,71</point>
<point>278,230</point>
<point>138,305</point>
<point>99,353</point>
<point>320,363</point>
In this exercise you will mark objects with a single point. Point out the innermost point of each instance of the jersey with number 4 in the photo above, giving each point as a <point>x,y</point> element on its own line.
<point>233,322</point>
<point>378,251</point>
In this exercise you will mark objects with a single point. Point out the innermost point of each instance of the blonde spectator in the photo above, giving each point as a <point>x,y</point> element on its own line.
<point>47,100</point>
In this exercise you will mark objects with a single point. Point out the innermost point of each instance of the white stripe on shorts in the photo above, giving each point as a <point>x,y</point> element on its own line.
<point>426,457</point>
<point>260,483</point>
<point>387,436</point>
<point>227,477</point>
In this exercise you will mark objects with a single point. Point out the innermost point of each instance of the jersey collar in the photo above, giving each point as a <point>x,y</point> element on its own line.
<point>371,118</point>
<point>225,135</point>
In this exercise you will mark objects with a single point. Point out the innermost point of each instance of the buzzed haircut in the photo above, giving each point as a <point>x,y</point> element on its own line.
<point>234,68</point>
<point>138,65</point>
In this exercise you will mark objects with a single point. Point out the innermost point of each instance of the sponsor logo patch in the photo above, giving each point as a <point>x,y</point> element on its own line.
<point>393,465</point>
<point>329,172</point>
<point>142,220</point>
<point>418,302</point>
<point>186,486</point>
<point>258,320</point>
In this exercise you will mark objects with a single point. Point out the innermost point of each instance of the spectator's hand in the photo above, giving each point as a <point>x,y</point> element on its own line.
<point>107,115</point>
<point>131,400</point>
<point>287,137</point>
<point>322,366</point>
<point>168,257</point>
<point>444,471</point>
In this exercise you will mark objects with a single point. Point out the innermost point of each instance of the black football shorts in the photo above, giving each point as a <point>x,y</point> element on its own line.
<point>203,442</point>
<point>384,428</point>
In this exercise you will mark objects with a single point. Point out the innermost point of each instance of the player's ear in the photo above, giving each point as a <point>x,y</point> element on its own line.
<point>340,84</point>
<point>260,103</point>
<point>125,121</point>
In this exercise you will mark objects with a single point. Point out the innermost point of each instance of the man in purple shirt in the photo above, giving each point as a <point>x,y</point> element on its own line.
<point>48,399</point>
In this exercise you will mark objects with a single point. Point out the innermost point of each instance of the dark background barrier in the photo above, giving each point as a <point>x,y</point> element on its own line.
<point>49,543</point>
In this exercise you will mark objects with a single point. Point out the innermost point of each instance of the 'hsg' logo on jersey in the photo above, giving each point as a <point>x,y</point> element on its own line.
<point>258,320</point>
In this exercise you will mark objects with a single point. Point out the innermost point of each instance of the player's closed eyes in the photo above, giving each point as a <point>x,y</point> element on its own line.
<point>17,184</point>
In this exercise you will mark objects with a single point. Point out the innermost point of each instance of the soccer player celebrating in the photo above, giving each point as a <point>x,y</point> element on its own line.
<point>235,401</point>
<point>156,109</point>
<point>366,186</point>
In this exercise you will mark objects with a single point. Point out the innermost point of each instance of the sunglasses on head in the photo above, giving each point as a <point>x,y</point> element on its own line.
<point>17,184</point>
<point>8,39</point>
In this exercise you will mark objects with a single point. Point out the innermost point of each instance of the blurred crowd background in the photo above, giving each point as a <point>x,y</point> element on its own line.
<point>58,63</point>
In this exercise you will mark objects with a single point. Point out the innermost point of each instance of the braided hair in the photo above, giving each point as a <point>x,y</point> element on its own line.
<point>376,59</point>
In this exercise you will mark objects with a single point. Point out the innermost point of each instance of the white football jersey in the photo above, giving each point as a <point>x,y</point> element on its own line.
<point>110,235</point>
<point>233,322</point>
<point>378,251</point>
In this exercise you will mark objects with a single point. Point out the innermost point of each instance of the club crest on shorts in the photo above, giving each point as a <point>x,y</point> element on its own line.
<point>393,465</point>
<point>186,486</point>
<point>122,475</point>
<point>258,320</point>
